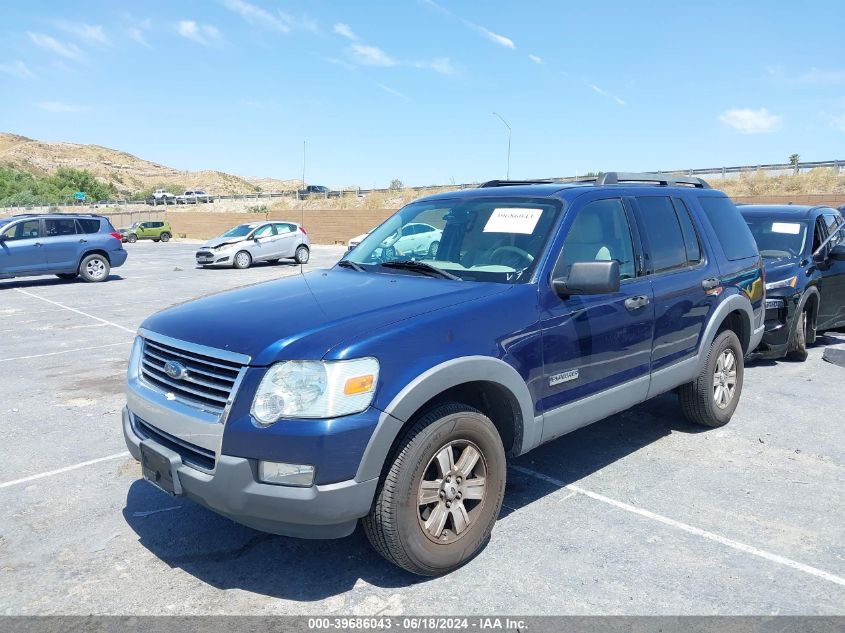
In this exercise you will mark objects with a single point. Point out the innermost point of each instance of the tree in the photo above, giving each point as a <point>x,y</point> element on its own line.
<point>396,185</point>
<point>794,159</point>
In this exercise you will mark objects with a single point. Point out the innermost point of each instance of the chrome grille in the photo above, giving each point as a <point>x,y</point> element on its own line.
<point>207,383</point>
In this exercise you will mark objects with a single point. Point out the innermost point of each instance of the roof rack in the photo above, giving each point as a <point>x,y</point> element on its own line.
<point>663,180</point>
<point>516,183</point>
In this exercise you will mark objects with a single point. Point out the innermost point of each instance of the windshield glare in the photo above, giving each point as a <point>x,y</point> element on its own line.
<point>239,231</point>
<point>483,239</point>
<point>778,238</point>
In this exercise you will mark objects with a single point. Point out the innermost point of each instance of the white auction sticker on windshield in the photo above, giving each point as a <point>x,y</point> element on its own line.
<point>790,228</point>
<point>513,220</point>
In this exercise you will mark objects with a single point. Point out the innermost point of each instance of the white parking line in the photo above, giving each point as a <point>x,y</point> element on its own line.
<point>50,473</point>
<point>61,305</point>
<point>64,351</point>
<point>710,536</point>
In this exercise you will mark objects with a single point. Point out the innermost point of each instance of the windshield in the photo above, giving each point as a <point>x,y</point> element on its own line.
<point>483,239</point>
<point>239,231</point>
<point>776,239</point>
<point>135,225</point>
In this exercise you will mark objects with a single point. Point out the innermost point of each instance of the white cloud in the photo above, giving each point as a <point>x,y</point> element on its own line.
<point>496,38</point>
<point>837,122</point>
<point>344,30</point>
<point>441,65</point>
<point>64,49</point>
<point>205,34</point>
<point>535,58</point>
<point>279,21</point>
<point>92,34</point>
<point>17,69</point>
<point>395,93</point>
<point>605,93</point>
<point>138,31</point>
<point>61,106</point>
<point>371,55</point>
<point>748,121</point>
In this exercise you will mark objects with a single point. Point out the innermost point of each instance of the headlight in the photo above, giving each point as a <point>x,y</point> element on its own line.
<point>783,283</point>
<point>315,389</point>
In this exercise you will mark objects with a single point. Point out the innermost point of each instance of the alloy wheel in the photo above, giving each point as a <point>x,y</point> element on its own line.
<point>724,379</point>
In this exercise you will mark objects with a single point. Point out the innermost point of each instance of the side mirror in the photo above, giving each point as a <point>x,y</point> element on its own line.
<point>589,278</point>
<point>837,253</point>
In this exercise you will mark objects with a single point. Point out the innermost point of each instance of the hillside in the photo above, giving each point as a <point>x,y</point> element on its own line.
<point>129,174</point>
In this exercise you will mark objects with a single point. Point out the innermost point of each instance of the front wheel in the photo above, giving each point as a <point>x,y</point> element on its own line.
<point>132,238</point>
<point>242,260</point>
<point>302,255</point>
<point>94,268</point>
<point>711,399</point>
<point>432,250</point>
<point>798,344</point>
<point>436,506</point>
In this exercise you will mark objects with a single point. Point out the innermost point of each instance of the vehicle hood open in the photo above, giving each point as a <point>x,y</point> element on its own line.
<point>304,316</point>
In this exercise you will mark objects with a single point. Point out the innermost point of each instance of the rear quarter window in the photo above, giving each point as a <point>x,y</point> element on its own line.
<point>89,225</point>
<point>730,228</point>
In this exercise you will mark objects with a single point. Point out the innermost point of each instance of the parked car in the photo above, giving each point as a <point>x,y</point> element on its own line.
<point>64,245</point>
<point>193,197</point>
<point>357,240</point>
<point>317,190</point>
<point>155,230</point>
<point>161,196</point>
<point>392,389</point>
<point>804,253</point>
<point>416,238</point>
<point>268,241</point>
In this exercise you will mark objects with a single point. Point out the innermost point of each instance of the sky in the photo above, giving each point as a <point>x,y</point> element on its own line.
<point>408,89</point>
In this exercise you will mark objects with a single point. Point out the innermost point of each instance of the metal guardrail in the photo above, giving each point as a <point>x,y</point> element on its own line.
<point>337,193</point>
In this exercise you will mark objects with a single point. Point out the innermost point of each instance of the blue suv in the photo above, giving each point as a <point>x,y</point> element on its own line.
<point>67,246</point>
<point>393,387</point>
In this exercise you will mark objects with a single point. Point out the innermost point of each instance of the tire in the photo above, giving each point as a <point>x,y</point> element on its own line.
<point>401,529</point>
<point>132,238</point>
<point>699,397</point>
<point>67,276</point>
<point>432,249</point>
<point>156,240</point>
<point>95,268</point>
<point>165,237</point>
<point>242,260</point>
<point>798,343</point>
<point>302,255</point>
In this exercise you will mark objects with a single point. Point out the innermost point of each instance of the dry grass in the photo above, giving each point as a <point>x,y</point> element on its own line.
<point>351,200</point>
<point>823,180</point>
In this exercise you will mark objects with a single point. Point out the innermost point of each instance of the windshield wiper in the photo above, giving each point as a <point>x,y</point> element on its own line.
<point>349,264</point>
<point>422,267</point>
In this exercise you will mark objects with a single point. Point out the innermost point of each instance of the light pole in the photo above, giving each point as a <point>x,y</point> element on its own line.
<point>509,143</point>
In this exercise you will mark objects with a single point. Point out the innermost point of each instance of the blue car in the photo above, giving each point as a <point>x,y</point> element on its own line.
<point>803,249</point>
<point>393,387</point>
<point>67,246</point>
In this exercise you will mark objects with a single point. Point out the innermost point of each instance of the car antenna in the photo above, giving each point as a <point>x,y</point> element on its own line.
<point>302,204</point>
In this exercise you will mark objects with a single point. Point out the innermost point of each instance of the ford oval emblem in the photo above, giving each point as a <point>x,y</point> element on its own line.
<point>175,370</point>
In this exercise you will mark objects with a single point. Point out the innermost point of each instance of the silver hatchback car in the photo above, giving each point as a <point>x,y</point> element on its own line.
<point>267,241</point>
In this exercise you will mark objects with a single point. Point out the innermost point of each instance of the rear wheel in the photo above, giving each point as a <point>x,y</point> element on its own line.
<point>94,268</point>
<point>711,399</point>
<point>798,344</point>
<point>432,250</point>
<point>67,276</point>
<point>302,255</point>
<point>165,237</point>
<point>436,507</point>
<point>242,260</point>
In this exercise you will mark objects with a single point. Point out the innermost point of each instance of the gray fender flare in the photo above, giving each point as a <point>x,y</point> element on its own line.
<point>730,304</point>
<point>433,382</point>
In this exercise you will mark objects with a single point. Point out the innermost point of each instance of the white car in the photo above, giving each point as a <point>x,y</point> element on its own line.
<point>416,238</point>
<point>193,197</point>
<point>267,241</point>
<point>357,240</point>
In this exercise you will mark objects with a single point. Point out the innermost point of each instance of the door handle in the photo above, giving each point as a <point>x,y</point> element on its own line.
<point>635,303</point>
<point>39,244</point>
<point>83,241</point>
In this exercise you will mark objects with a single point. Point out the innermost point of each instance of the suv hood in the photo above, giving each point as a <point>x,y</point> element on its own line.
<point>304,316</point>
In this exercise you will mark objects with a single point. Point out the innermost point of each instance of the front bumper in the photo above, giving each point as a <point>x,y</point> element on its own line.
<point>780,324</point>
<point>211,258</point>
<point>232,490</point>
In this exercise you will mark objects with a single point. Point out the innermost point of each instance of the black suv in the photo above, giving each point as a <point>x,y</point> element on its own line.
<point>804,253</point>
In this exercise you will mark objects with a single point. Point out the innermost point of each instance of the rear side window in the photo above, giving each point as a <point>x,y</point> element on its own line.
<point>732,231</point>
<point>58,227</point>
<point>88,225</point>
<point>284,228</point>
<point>688,229</point>
<point>665,246</point>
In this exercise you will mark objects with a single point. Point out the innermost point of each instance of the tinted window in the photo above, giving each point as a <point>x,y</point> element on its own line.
<point>688,229</point>
<point>732,231</point>
<point>833,221</point>
<point>22,231</point>
<point>600,232</point>
<point>665,246</point>
<point>88,225</point>
<point>57,228</point>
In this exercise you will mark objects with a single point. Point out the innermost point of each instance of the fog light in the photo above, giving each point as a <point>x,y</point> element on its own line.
<point>285,474</point>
